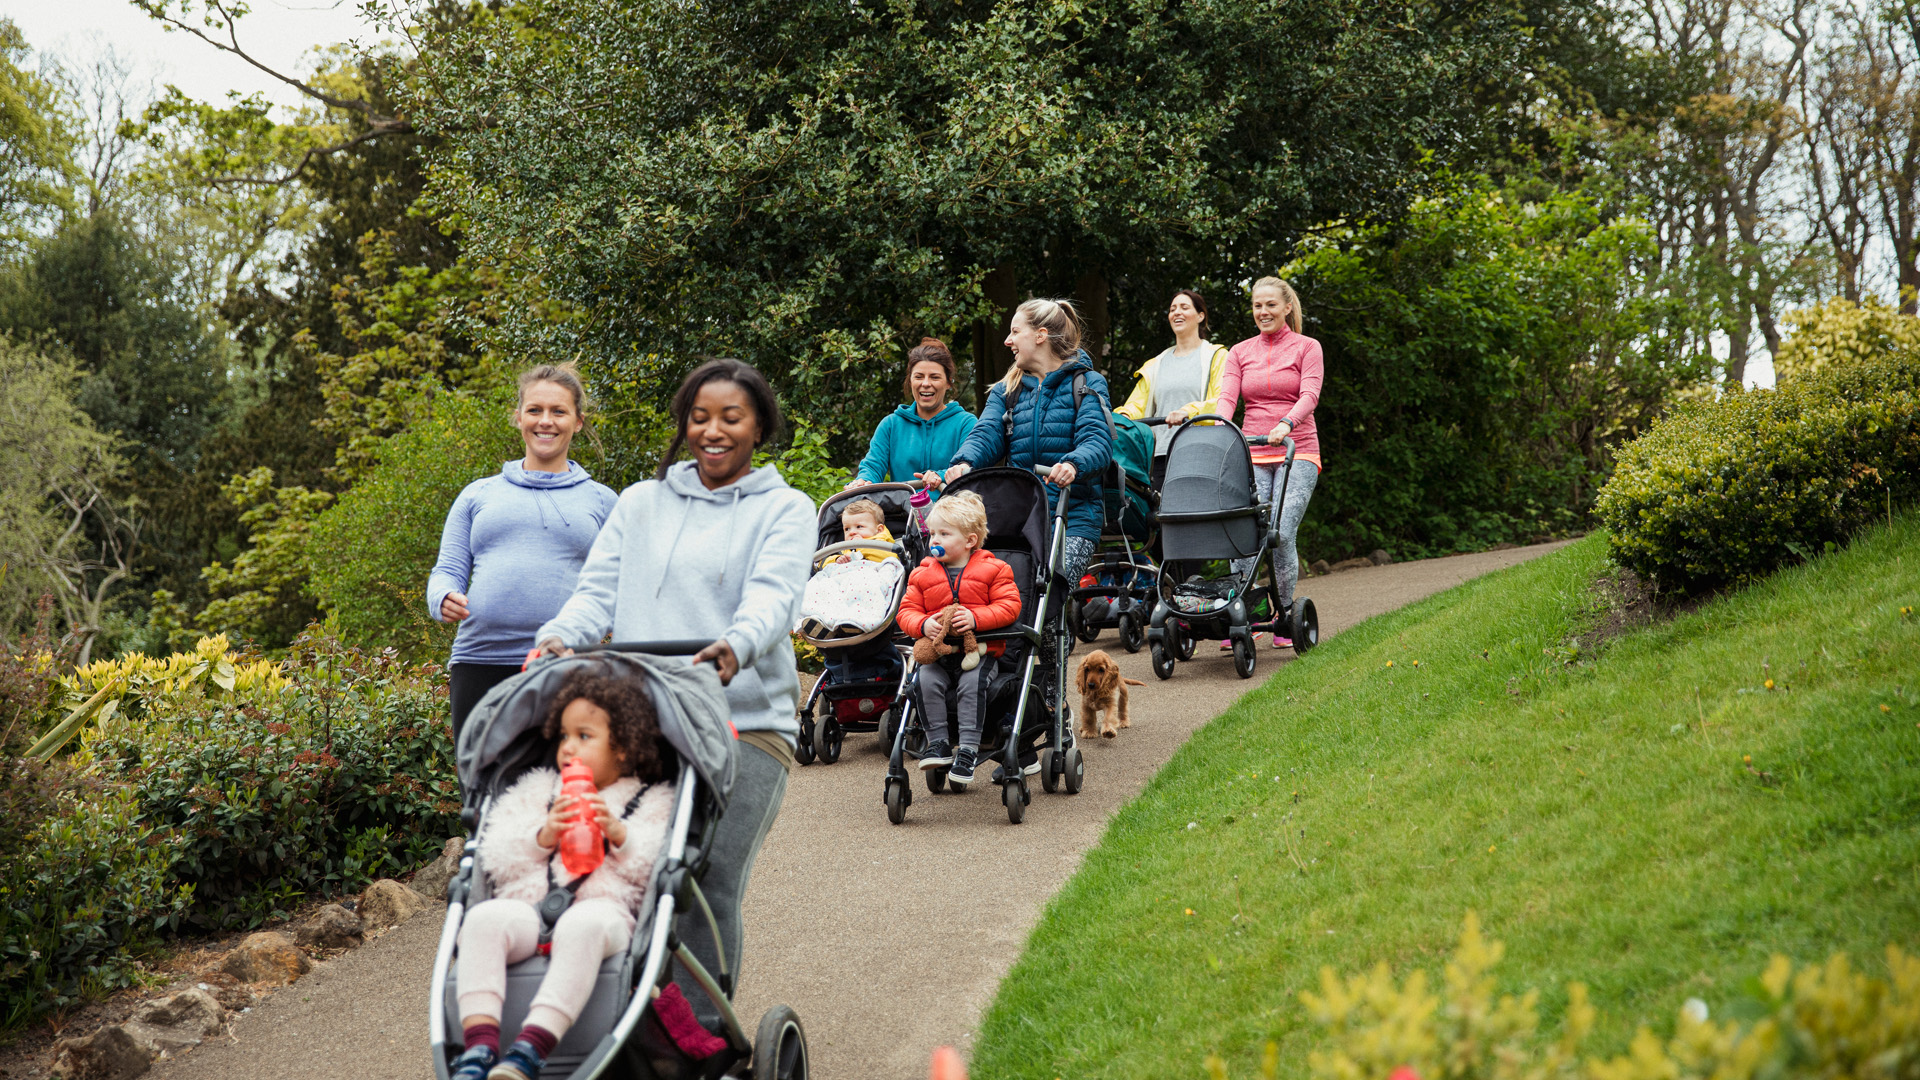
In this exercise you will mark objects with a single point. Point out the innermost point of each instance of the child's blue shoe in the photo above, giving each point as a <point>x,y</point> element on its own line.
<point>474,1063</point>
<point>520,1062</point>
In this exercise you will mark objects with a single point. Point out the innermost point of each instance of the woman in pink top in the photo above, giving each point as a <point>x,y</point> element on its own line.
<point>1277,375</point>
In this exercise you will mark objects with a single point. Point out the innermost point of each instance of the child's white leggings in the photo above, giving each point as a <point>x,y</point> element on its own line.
<point>501,932</point>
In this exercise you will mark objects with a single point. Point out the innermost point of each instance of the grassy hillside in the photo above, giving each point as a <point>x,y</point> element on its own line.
<point>1654,822</point>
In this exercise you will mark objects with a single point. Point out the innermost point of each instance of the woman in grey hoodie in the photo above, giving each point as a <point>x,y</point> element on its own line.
<point>514,541</point>
<point>713,549</point>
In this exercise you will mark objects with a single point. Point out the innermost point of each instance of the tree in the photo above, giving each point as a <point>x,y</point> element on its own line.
<point>62,531</point>
<point>1485,354</point>
<point>35,145</point>
<point>811,186</point>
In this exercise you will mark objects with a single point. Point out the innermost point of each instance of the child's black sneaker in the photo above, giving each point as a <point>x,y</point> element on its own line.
<point>1029,765</point>
<point>474,1063</point>
<point>938,756</point>
<point>964,760</point>
<point>520,1062</point>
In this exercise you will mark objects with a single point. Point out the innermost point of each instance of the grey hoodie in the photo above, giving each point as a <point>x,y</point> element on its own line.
<point>675,560</point>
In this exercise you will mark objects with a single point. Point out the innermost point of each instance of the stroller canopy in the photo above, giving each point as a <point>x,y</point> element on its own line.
<point>892,499</point>
<point>1017,523</point>
<point>688,698</point>
<point>1206,500</point>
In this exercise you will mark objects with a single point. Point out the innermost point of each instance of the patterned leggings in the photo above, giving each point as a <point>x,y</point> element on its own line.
<point>1286,558</point>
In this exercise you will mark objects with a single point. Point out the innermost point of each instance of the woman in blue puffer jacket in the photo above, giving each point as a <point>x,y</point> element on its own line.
<point>1072,438</point>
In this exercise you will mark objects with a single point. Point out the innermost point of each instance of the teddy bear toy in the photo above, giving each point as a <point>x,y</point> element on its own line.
<point>930,648</point>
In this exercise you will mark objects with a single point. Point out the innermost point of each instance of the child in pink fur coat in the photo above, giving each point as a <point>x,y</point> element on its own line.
<point>610,725</point>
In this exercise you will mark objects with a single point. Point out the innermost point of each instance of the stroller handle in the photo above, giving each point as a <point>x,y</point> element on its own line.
<point>886,485</point>
<point>863,545</point>
<point>653,648</point>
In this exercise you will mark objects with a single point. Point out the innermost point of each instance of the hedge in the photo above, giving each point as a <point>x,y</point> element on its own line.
<point>1725,491</point>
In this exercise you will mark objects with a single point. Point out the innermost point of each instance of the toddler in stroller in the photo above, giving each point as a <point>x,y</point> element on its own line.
<point>578,970</point>
<point>852,597</point>
<point>959,590</point>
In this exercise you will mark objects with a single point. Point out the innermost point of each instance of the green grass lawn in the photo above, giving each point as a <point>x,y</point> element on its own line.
<point>1600,815</point>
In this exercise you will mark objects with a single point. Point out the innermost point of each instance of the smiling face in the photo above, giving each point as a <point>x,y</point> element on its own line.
<point>1181,314</point>
<point>722,430</point>
<point>1028,343</point>
<point>1269,310</point>
<point>586,733</point>
<point>548,420</point>
<point>929,386</point>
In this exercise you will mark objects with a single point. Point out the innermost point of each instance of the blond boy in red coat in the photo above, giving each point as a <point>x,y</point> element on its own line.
<point>960,572</point>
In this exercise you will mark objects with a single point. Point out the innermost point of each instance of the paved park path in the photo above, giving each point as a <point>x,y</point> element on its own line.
<point>888,940</point>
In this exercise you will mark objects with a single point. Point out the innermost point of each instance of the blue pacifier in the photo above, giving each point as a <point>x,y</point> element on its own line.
<point>939,552</point>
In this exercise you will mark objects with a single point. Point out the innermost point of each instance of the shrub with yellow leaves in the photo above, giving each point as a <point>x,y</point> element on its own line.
<point>105,689</point>
<point>1823,1022</point>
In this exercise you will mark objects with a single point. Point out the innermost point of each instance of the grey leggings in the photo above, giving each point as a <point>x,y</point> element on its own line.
<point>759,787</point>
<point>1286,558</point>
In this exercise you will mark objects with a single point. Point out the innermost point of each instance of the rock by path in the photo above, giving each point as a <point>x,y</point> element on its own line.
<point>888,940</point>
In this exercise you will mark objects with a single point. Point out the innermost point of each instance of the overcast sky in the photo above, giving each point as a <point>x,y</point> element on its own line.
<point>279,32</point>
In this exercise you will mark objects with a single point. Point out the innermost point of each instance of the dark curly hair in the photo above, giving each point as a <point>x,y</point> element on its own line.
<point>633,726</point>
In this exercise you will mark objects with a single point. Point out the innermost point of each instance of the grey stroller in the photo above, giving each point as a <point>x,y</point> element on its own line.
<point>1208,514</point>
<point>616,1034</point>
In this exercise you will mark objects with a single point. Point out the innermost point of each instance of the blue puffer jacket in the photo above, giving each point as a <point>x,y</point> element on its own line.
<point>1045,431</point>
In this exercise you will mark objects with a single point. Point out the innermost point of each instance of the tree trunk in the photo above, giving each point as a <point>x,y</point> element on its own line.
<point>990,355</point>
<point>1090,294</point>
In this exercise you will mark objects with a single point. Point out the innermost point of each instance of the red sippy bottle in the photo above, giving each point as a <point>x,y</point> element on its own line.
<point>582,847</point>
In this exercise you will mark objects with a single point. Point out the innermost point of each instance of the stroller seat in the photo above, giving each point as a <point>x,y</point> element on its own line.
<point>601,1012</point>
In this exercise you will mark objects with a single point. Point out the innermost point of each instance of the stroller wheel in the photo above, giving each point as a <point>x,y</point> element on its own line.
<point>936,780</point>
<point>1078,622</point>
<point>803,745</point>
<point>1243,656</point>
<point>1049,778</point>
<point>1131,635</point>
<point>780,1047</point>
<point>1162,661</point>
<point>898,799</point>
<point>1306,625</point>
<point>1184,643</point>
<point>1014,796</point>
<point>827,737</point>
<point>1075,771</point>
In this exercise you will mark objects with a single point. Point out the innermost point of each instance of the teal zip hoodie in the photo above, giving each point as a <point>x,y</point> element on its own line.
<point>676,561</point>
<point>904,445</point>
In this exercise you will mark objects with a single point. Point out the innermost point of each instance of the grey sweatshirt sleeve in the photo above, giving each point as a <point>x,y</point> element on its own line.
<point>770,599</point>
<point>453,569</point>
<point>587,615</point>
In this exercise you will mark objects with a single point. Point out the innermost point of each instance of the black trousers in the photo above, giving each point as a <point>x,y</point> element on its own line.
<point>468,683</point>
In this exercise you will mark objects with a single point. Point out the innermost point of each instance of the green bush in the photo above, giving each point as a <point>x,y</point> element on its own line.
<point>1726,491</point>
<point>346,776</point>
<point>372,550</point>
<point>85,887</point>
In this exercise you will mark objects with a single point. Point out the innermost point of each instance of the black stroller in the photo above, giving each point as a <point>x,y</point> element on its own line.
<point>1022,702</point>
<point>616,1034</point>
<point>1208,513</point>
<point>866,675</point>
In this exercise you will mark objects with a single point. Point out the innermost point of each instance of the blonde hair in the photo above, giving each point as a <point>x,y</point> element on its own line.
<point>1287,297</point>
<point>864,506</point>
<point>964,511</point>
<point>566,376</point>
<point>1059,319</point>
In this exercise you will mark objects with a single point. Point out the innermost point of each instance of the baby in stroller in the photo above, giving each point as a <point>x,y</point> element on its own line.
<point>852,594</point>
<point>610,726</point>
<point>958,590</point>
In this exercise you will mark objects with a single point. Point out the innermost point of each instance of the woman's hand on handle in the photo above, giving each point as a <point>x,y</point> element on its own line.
<point>553,646</point>
<point>957,470</point>
<point>454,607</point>
<point>1062,474</point>
<point>931,478</point>
<point>722,656</point>
<point>1176,417</point>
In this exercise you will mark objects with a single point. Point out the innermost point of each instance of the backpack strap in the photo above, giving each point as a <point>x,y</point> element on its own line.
<point>1080,392</point>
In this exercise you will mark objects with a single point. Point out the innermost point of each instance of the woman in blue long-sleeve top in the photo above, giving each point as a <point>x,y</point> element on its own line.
<point>918,438</point>
<point>1069,432</point>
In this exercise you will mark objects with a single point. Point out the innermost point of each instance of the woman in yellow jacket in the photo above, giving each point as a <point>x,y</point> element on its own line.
<point>1183,381</point>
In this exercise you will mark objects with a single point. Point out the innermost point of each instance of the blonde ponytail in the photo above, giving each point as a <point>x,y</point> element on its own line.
<point>1059,319</point>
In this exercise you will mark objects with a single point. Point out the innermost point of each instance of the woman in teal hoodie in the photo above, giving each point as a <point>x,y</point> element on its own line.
<point>921,436</point>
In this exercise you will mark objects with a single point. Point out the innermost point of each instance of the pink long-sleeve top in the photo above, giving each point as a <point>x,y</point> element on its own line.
<point>1278,375</point>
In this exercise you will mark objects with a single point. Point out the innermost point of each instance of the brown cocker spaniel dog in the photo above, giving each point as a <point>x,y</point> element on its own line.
<point>1103,695</point>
